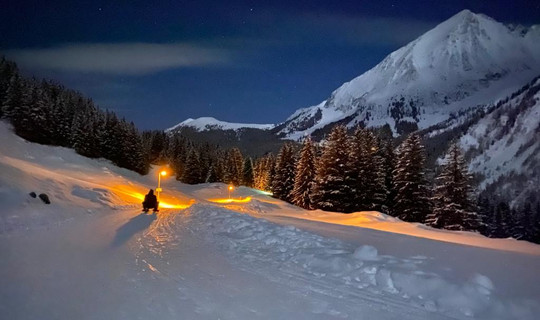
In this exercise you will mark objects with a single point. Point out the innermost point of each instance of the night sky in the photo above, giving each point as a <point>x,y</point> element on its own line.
<point>159,62</point>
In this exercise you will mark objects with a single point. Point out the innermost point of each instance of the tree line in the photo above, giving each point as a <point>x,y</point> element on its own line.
<point>48,113</point>
<point>361,171</point>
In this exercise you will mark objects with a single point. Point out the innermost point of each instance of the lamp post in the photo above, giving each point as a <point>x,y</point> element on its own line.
<point>231,188</point>
<point>158,190</point>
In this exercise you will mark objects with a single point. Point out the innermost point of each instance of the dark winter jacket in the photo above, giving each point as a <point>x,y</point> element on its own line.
<point>150,200</point>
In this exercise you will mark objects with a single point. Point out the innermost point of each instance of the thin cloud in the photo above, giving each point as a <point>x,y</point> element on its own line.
<point>332,29</point>
<point>373,30</point>
<point>120,58</point>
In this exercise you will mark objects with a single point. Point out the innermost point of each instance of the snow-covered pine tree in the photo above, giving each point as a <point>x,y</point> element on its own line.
<point>523,220</point>
<point>83,136</point>
<point>388,157</point>
<point>304,178</point>
<point>535,233</point>
<point>261,172</point>
<point>283,180</point>
<point>191,173</point>
<point>247,174</point>
<point>7,70</point>
<point>133,150</point>
<point>453,200</point>
<point>215,173</point>
<point>62,112</point>
<point>367,171</point>
<point>155,143</point>
<point>13,100</point>
<point>412,201</point>
<point>108,140</point>
<point>486,213</point>
<point>234,167</point>
<point>270,171</point>
<point>205,160</point>
<point>502,224</point>
<point>8,75</point>
<point>176,154</point>
<point>258,167</point>
<point>331,190</point>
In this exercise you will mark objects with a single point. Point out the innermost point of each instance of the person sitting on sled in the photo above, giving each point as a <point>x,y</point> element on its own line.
<point>150,201</point>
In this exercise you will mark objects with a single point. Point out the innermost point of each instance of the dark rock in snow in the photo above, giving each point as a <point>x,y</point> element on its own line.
<point>45,198</point>
<point>33,194</point>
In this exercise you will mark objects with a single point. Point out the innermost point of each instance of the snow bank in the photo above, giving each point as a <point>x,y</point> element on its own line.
<point>77,186</point>
<point>335,267</point>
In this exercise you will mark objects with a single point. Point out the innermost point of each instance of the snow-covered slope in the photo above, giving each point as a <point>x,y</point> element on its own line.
<point>469,59</point>
<point>209,123</point>
<point>91,254</point>
<point>505,145</point>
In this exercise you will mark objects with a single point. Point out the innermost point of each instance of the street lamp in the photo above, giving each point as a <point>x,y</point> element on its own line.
<point>158,190</point>
<point>231,188</point>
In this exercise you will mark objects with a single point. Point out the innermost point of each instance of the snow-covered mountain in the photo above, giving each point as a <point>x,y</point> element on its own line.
<point>209,123</point>
<point>501,141</point>
<point>504,146</point>
<point>466,61</point>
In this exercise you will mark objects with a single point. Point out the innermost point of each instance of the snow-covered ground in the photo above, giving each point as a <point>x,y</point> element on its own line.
<point>91,254</point>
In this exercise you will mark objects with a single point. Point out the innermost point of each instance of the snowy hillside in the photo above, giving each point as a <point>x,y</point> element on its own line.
<point>469,59</point>
<point>505,143</point>
<point>209,123</point>
<point>91,254</point>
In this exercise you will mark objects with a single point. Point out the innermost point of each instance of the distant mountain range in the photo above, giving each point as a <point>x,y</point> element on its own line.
<point>209,123</point>
<point>466,61</point>
<point>470,79</point>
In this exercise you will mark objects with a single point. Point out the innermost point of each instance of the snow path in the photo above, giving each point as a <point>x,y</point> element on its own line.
<point>127,265</point>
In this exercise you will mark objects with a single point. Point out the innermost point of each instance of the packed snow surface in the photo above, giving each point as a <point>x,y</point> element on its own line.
<point>91,253</point>
<point>209,123</point>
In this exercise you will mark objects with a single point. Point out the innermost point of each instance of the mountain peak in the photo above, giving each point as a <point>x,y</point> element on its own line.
<point>464,61</point>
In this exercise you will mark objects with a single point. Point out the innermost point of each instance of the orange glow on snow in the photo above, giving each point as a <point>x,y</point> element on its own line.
<point>231,200</point>
<point>130,193</point>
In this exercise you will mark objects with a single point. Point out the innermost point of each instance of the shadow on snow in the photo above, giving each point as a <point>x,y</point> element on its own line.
<point>133,226</point>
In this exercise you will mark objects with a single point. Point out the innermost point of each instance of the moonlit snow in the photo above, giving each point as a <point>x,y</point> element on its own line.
<point>91,254</point>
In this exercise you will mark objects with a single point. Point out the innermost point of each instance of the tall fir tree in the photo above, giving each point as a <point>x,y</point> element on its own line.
<point>388,157</point>
<point>502,222</point>
<point>486,212</point>
<point>412,201</point>
<point>234,167</point>
<point>367,176</point>
<point>83,134</point>
<point>270,171</point>
<point>12,101</point>
<point>283,180</point>
<point>453,199</point>
<point>191,173</point>
<point>332,190</point>
<point>247,174</point>
<point>263,171</point>
<point>305,175</point>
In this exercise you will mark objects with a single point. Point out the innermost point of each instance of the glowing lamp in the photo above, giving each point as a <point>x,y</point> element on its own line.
<point>158,189</point>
